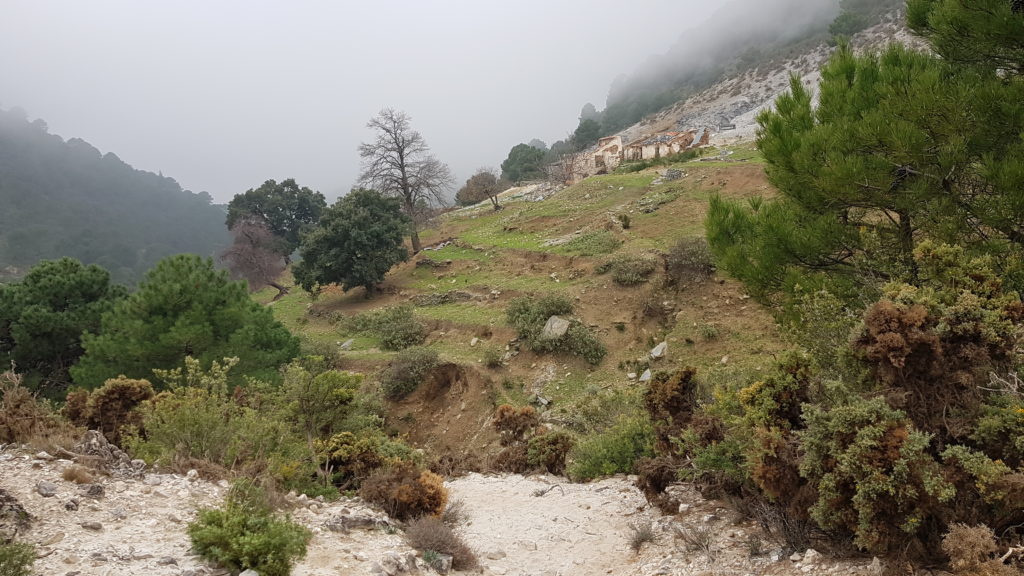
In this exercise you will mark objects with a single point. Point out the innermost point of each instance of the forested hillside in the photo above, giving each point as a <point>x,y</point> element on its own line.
<point>65,198</point>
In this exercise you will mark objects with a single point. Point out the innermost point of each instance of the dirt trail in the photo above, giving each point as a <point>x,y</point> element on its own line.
<point>535,525</point>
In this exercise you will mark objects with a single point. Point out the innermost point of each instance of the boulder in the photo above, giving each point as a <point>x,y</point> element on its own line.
<point>46,489</point>
<point>555,328</point>
<point>659,351</point>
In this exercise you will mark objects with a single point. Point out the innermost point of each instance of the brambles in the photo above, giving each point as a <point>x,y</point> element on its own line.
<point>407,371</point>
<point>245,534</point>
<point>404,491</point>
<point>428,533</point>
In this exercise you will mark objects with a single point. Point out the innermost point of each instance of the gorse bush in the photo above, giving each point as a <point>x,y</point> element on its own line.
<point>529,316</point>
<point>405,491</point>
<point>396,327</point>
<point>407,371</point>
<point>245,534</point>
<point>110,408</point>
<point>528,445</point>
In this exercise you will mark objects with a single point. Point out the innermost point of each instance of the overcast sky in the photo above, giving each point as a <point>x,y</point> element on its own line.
<point>222,95</point>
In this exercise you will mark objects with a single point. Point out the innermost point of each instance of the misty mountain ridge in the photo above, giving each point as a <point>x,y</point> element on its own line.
<point>739,39</point>
<point>66,198</point>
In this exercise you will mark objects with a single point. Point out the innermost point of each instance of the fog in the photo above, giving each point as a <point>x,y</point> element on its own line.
<point>224,95</point>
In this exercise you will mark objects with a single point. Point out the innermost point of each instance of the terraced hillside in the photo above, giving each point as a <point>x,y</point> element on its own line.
<point>554,242</point>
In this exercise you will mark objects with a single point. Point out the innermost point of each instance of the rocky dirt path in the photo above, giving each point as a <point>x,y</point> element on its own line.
<point>519,526</point>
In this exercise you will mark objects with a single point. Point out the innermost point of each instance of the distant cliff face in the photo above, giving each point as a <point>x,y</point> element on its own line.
<point>730,106</point>
<point>67,199</point>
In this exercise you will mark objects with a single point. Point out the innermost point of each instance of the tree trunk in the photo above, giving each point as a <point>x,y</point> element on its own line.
<point>415,237</point>
<point>281,290</point>
<point>906,233</point>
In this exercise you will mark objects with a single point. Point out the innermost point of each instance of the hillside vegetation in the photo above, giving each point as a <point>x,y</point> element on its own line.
<point>64,198</point>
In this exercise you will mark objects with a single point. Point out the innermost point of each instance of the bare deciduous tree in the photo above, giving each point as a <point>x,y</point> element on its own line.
<point>255,255</point>
<point>569,169</point>
<point>484,184</point>
<point>398,163</point>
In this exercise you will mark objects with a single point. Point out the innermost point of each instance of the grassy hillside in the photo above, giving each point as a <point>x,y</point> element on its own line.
<point>554,246</point>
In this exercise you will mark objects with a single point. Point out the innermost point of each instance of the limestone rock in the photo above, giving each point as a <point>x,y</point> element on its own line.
<point>646,376</point>
<point>659,351</point>
<point>555,328</point>
<point>46,489</point>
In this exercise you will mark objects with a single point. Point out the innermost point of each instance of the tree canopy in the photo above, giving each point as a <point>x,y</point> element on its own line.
<point>184,307</point>
<point>43,316</point>
<point>358,240</point>
<point>903,147</point>
<point>483,185</point>
<point>287,209</point>
<point>524,162</point>
<point>398,163</point>
<point>586,134</point>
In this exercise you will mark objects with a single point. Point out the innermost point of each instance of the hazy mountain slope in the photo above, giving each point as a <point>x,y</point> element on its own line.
<point>67,199</point>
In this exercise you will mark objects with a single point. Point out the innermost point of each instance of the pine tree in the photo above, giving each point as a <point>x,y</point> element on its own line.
<point>903,146</point>
<point>183,308</point>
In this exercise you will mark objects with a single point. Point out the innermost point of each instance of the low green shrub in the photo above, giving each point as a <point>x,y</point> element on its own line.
<point>396,327</point>
<point>629,269</point>
<point>407,371</point>
<point>529,315</point>
<point>594,243</point>
<point>16,559</point>
<point>245,534</point>
<point>615,450</point>
<point>688,261</point>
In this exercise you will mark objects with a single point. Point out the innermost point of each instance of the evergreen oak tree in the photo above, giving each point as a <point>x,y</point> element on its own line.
<point>287,209</point>
<point>358,240</point>
<point>183,308</point>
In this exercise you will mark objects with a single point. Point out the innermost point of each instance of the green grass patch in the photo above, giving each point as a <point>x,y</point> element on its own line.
<point>469,313</point>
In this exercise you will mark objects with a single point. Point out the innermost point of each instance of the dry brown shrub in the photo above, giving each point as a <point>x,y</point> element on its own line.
<point>455,464</point>
<point>512,459</point>
<point>430,533</point>
<point>972,551</point>
<point>670,399</point>
<point>26,420</point>
<point>78,475</point>
<point>513,423</point>
<point>654,475</point>
<point>76,407</point>
<point>404,491</point>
